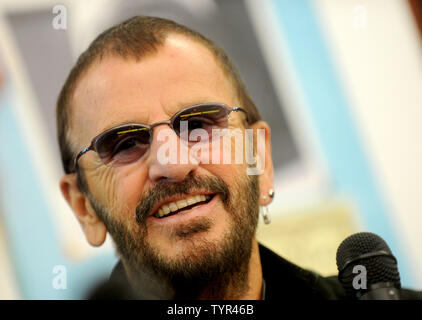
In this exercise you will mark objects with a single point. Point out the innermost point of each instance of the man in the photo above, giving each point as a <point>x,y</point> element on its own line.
<point>184,229</point>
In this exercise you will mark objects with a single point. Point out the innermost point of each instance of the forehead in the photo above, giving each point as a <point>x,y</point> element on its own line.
<point>116,91</point>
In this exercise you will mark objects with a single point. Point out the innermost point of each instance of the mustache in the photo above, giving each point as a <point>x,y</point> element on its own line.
<point>191,183</point>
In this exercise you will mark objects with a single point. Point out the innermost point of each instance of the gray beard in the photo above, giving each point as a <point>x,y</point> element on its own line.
<point>208,270</point>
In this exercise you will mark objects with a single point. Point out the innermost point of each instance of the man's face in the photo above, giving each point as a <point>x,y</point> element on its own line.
<point>116,91</point>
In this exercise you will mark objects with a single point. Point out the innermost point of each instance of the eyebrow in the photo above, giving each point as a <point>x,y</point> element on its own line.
<point>122,123</point>
<point>188,103</point>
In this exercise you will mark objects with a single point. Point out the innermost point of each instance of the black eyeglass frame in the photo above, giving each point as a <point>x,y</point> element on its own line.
<point>92,146</point>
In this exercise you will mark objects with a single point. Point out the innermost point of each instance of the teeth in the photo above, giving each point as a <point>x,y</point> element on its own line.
<point>166,209</point>
<point>160,212</point>
<point>191,200</point>
<point>174,206</point>
<point>200,197</point>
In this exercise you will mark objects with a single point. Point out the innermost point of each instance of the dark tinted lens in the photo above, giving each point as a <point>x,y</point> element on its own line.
<point>123,145</point>
<point>206,117</point>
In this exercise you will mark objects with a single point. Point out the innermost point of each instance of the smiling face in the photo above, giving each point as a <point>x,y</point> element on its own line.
<point>213,207</point>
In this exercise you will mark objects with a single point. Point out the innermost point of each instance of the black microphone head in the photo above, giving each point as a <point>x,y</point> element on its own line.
<point>371,251</point>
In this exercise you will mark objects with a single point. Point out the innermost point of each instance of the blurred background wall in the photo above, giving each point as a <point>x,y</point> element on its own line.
<point>338,81</point>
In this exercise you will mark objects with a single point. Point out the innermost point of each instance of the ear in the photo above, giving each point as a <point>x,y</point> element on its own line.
<point>263,150</point>
<point>94,229</point>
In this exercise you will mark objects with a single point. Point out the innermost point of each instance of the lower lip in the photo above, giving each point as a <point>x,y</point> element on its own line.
<point>200,210</point>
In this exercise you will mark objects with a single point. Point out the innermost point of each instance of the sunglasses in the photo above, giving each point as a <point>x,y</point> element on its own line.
<point>127,143</point>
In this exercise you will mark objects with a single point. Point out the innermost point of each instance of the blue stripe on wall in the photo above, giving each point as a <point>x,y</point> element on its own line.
<point>31,235</point>
<point>329,112</point>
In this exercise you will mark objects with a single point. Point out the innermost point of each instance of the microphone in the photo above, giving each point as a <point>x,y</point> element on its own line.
<point>367,268</point>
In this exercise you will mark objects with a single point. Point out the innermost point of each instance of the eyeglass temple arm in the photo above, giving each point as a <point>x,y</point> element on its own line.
<point>80,154</point>
<point>243,110</point>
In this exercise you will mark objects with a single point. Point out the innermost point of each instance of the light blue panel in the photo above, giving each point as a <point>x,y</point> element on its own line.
<point>329,112</point>
<point>31,237</point>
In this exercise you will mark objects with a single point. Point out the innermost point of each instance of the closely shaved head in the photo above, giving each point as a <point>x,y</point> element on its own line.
<point>134,39</point>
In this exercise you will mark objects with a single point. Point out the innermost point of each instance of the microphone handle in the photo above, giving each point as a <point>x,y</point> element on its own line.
<point>381,291</point>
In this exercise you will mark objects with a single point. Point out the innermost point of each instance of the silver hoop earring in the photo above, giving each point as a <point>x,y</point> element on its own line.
<point>265,212</point>
<point>271,193</point>
<point>266,215</point>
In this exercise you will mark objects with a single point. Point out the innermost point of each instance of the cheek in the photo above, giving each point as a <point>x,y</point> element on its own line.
<point>229,173</point>
<point>129,183</point>
<point>231,156</point>
<point>228,148</point>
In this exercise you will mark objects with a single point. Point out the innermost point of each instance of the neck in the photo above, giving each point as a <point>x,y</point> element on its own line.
<point>254,275</point>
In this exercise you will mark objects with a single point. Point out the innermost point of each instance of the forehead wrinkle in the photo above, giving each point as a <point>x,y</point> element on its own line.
<point>113,123</point>
<point>85,103</point>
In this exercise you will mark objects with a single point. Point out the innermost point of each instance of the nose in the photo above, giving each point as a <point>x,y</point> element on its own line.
<point>169,157</point>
